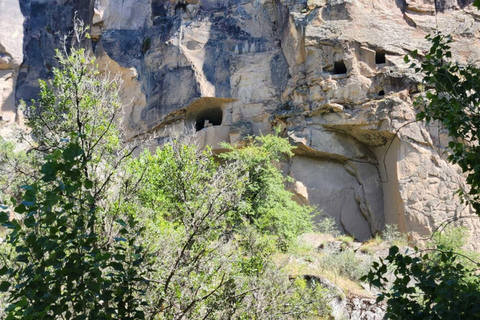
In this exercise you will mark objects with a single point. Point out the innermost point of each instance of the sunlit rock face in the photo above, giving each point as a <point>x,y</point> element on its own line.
<point>11,56</point>
<point>330,73</point>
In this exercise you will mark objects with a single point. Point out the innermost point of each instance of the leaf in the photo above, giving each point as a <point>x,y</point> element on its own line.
<point>393,251</point>
<point>117,266</point>
<point>4,217</point>
<point>22,258</point>
<point>88,184</point>
<point>3,270</point>
<point>121,222</point>
<point>4,286</point>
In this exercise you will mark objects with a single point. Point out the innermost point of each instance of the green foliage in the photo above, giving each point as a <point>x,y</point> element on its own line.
<point>75,254</point>
<point>62,268</point>
<point>79,99</point>
<point>6,254</point>
<point>346,238</point>
<point>392,235</point>
<point>328,225</point>
<point>267,204</point>
<point>451,238</point>
<point>211,259</point>
<point>16,170</point>
<point>427,286</point>
<point>187,199</point>
<point>345,263</point>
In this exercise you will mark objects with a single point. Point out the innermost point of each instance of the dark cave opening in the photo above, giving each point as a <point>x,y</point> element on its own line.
<point>339,67</point>
<point>208,117</point>
<point>380,57</point>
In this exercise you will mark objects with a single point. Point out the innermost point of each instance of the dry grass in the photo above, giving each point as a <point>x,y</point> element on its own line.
<point>295,267</point>
<point>374,245</point>
<point>343,269</point>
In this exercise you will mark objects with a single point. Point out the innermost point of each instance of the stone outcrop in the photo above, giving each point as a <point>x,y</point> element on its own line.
<point>11,56</point>
<point>353,306</point>
<point>330,73</point>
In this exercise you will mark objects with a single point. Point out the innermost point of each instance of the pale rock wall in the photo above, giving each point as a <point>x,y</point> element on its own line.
<point>330,73</point>
<point>11,56</point>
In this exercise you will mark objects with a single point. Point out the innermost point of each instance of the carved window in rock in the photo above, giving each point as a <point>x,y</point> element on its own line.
<point>339,67</point>
<point>208,117</point>
<point>380,57</point>
<point>206,112</point>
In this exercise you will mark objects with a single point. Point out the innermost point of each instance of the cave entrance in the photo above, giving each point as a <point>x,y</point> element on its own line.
<point>339,67</point>
<point>210,116</point>
<point>206,112</point>
<point>380,57</point>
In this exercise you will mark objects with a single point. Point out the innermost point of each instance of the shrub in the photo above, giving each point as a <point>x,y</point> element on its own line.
<point>212,260</point>
<point>392,235</point>
<point>266,202</point>
<point>345,263</point>
<point>328,225</point>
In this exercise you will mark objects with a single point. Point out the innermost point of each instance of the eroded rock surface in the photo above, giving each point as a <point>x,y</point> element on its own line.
<point>330,73</point>
<point>11,56</point>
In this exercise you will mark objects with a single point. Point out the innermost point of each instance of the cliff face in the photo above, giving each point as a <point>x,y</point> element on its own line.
<point>329,72</point>
<point>11,56</point>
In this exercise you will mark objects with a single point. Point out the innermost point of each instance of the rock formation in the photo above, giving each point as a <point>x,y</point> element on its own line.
<point>11,56</point>
<point>330,73</point>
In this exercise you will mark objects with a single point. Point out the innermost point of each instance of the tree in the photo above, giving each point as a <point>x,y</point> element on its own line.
<point>268,205</point>
<point>212,260</point>
<point>433,284</point>
<point>453,100</point>
<point>74,257</point>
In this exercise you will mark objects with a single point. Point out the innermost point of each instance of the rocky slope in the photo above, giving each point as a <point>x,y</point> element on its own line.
<point>330,73</point>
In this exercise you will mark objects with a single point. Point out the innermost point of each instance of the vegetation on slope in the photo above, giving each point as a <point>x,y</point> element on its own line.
<point>99,234</point>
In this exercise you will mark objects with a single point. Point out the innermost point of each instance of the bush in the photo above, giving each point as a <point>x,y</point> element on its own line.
<point>346,264</point>
<point>212,260</point>
<point>432,283</point>
<point>266,202</point>
<point>392,235</point>
<point>328,225</point>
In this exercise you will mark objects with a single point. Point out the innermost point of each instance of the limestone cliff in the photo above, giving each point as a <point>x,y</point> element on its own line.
<point>329,72</point>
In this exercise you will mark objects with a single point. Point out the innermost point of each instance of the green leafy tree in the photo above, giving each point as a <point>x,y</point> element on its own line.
<point>74,256</point>
<point>211,260</point>
<point>428,284</point>
<point>267,204</point>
